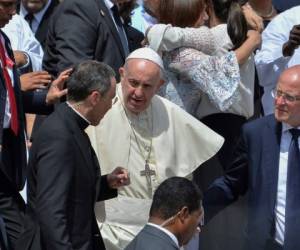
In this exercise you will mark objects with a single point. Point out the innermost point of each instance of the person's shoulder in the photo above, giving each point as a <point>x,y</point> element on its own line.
<point>292,11</point>
<point>174,112</point>
<point>159,99</point>
<point>162,103</point>
<point>16,20</point>
<point>53,123</point>
<point>257,124</point>
<point>150,238</point>
<point>289,16</point>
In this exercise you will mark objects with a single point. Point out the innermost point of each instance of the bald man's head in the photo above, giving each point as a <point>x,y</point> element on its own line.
<point>287,97</point>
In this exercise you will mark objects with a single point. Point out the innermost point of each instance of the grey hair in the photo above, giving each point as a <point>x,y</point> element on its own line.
<point>87,77</point>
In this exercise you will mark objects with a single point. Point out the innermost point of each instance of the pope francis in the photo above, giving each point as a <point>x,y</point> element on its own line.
<point>149,136</point>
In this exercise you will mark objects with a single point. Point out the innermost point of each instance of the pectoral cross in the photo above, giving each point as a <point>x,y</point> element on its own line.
<point>148,173</point>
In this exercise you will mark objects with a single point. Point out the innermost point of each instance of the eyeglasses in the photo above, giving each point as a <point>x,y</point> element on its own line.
<point>276,93</point>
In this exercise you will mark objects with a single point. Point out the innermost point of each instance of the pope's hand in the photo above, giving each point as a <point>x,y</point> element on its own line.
<point>119,177</point>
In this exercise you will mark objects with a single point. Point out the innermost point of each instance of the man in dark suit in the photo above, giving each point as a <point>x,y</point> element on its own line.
<point>38,13</point>
<point>267,165</point>
<point>175,214</point>
<point>13,104</point>
<point>64,179</point>
<point>81,30</point>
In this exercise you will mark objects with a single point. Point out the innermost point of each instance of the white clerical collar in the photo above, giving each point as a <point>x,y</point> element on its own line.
<point>286,127</point>
<point>78,113</point>
<point>39,15</point>
<point>171,235</point>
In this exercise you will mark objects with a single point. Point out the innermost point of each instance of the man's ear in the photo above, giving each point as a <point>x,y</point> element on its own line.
<point>183,214</point>
<point>94,97</point>
<point>122,72</point>
<point>161,82</point>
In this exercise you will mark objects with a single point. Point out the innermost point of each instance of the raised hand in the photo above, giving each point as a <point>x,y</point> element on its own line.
<point>293,43</point>
<point>253,20</point>
<point>57,90</point>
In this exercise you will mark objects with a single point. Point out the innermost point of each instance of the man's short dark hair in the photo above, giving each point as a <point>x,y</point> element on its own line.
<point>172,195</point>
<point>87,77</point>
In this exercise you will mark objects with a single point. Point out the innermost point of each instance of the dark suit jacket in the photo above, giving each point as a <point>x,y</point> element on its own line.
<point>41,33</point>
<point>81,30</point>
<point>30,102</point>
<point>3,236</point>
<point>255,169</point>
<point>134,37</point>
<point>64,182</point>
<point>151,238</point>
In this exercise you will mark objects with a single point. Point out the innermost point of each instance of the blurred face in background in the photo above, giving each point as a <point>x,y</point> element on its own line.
<point>287,97</point>
<point>7,10</point>
<point>34,6</point>
<point>203,17</point>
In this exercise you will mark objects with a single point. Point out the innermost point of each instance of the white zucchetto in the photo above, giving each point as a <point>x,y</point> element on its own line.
<point>146,54</point>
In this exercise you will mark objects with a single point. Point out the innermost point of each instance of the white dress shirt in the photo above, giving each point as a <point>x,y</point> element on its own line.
<point>269,60</point>
<point>37,16</point>
<point>286,138</point>
<point>22,38</point>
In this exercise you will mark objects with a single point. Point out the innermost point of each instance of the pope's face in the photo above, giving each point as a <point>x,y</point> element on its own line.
<point>140,80</point>
<point>7,10</point>
<point>34,6</point>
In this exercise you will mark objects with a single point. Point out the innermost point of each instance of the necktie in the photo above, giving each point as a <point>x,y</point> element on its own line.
<point>121,32</point>
<point>7,62</point>
<point>29,18</point>
<point>292,206</point>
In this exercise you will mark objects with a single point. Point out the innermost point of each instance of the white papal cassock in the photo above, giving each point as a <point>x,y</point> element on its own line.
<point>179,144</point>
